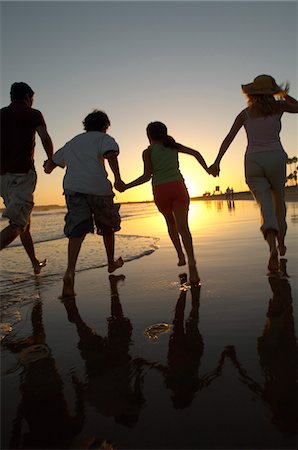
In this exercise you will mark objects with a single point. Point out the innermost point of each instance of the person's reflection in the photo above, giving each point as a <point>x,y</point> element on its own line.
<point>277,349</point>
<point>231,205</point>
<point>219,205</point>
<point>114,384</point>
<point>185,350</point>
<point>43,405</point>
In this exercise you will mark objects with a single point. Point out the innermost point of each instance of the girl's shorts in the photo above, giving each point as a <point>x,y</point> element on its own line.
<point>171,196</point>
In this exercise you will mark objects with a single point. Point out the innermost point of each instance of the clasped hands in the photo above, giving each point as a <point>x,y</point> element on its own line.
<point>214,169</point>
<point>48,166</point>
<point>120,185</point>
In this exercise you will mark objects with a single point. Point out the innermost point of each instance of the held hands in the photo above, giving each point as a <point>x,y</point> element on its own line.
<point>214,170</point>
<point>120,185</point>
<point>48,166</point>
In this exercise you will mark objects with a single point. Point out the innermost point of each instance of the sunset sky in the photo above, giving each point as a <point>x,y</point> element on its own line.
<point>179,62</point>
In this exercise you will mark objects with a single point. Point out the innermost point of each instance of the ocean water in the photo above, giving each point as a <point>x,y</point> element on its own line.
<point>16,275</point>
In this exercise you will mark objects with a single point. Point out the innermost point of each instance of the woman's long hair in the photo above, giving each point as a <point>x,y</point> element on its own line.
<point>266,104</point>
<point>159,132</point>
<point>263,105</point>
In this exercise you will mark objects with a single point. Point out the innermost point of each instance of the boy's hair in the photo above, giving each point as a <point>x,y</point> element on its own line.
<point>19,91</point>
<point>159,132</point>
<point>96,121</point>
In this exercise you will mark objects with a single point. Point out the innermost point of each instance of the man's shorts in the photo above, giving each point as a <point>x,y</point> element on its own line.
<point>17,192</point>
<point>171,196</point>
<point>87,210</point>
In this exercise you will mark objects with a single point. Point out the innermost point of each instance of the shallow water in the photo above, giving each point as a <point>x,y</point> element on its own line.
<point>16,275</point>
<point>140,362</point>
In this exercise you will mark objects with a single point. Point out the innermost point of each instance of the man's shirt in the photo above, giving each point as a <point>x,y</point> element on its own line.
<point>18,128</point>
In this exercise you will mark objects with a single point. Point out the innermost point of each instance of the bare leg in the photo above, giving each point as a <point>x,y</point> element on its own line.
<point>273,264</point>
<point>181,216</point>
<point>28,245</point>
<point>174,235</point>
<point>280,211</point>
<point>109,242</point>
<point>9,234</point>
<point>74,247</point>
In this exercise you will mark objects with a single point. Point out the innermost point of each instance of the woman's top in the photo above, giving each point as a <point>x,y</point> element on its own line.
<point>165,164</point>
<point>263,133</point>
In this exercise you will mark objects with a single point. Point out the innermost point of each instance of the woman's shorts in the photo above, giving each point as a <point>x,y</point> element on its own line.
<point>87,210</point>
<point>171,196</point>
<point>17,192</point>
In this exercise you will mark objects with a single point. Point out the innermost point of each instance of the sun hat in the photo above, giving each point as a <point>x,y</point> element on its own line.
<point>262,84</point>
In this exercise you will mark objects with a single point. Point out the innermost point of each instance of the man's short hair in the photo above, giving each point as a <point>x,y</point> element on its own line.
<point>96,121</point>
<point>19,91</point>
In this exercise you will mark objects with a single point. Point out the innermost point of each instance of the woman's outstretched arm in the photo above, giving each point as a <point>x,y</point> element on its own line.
<point>238,122</point>
<point>147,171</point>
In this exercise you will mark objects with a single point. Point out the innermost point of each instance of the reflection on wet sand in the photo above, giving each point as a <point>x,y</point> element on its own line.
<point>277,349</point>
<point>43,406</point>
<point>114,379</point>
<point>185,351</point>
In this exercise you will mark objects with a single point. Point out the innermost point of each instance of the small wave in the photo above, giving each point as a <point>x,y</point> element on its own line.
<point>19,285</point>
<point>39,241</point>
<point>48,213</point>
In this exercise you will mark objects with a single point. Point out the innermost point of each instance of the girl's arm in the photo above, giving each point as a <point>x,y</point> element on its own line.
<point>189,151</point>
<point>147,171</point>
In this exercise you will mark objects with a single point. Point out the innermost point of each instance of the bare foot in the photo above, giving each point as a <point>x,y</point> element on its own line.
<point>38,266</point>
<point>282,249</point>
<point>273,264</point>
<point>283,268</point>
<point>115,265</point>
<point>181,261</point>
<point>193,275</point>
<point>68,286</point>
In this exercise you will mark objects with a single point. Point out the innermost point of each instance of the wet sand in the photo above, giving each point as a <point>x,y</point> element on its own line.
<point>140,363</point>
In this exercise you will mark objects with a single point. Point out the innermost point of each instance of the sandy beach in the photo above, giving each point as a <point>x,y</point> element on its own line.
<point>141,362</point>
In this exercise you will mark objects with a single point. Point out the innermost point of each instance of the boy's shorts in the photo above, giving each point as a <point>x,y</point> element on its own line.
<point>17,192</point>
<point>87,210</point>
<point>171,196</point>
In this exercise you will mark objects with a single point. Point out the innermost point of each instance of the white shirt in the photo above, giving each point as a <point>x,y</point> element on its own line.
<point>83,157</point>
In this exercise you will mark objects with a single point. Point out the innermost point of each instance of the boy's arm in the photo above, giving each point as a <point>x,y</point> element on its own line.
<point>111,156</point>
<point>147,171</point>
<point>189,151</point>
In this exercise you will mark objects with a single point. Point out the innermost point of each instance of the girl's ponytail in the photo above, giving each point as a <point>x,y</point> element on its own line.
<point>158,132</point>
